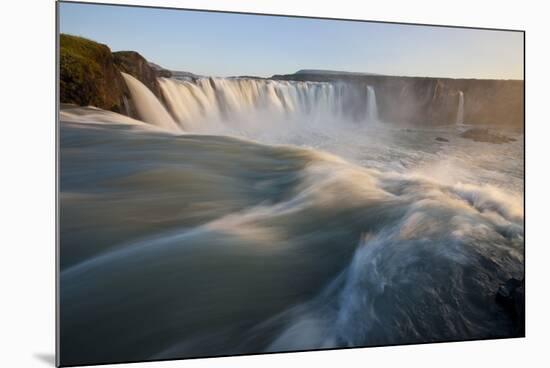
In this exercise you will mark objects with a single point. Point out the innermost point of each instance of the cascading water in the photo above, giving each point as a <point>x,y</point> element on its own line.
<point>343,238</point>
<point>372,108</point>
<point>148,106</point>
<point>460,112</point>
<point>245,104</point>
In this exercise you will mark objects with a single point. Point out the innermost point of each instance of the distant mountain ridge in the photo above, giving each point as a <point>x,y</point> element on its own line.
<point>163,72</point>
<point>332,72</point>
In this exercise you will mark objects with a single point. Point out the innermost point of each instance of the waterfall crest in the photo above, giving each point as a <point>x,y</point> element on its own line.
<point>460,112</point>
<point>148,106</point>
<point>243,102</point>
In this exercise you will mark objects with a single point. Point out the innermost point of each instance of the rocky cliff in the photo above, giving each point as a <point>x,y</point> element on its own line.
<point>133,63</point>
<point>88,75</point>
<point>434,101</point>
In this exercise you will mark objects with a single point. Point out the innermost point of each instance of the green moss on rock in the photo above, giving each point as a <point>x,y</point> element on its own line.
<point>88,75</point>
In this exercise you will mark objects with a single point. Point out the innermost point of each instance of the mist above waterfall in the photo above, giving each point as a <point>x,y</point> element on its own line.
<point>254,106</point>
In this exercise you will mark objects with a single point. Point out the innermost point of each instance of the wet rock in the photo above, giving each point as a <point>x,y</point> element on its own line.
<point>484,135</point>
<point>511,297</point>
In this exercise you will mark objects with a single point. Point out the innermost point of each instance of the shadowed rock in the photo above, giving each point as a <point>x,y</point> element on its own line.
<point>433,101</point>
<point>133,63</point>
<point>484,135</point>
<point>511,297</point>
<point>88,75</point>
<point>160,70</point>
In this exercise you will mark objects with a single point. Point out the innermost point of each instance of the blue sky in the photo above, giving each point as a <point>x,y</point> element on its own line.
<point>223,44</point>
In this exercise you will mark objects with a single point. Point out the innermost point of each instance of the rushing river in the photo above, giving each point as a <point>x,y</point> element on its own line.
<point>331,233</point>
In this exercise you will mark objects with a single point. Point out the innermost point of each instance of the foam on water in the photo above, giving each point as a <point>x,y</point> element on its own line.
<point>343,233</point>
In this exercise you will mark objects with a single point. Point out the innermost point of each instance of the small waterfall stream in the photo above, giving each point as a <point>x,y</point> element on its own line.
<point>372,108</point>
<point>460,112</point>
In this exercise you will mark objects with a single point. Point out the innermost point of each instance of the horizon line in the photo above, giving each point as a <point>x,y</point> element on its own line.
<point>319,71</point>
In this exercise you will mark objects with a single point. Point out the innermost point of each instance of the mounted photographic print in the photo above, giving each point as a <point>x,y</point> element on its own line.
<point>234,183</point>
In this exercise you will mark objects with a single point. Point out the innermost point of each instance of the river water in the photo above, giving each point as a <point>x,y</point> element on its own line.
<point>284,235</point>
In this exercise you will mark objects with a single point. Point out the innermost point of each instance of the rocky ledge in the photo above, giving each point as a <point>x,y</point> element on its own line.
<point>511,297</point>
<point>90,75</point>
<point>133,63</point>
<point>484,135</point>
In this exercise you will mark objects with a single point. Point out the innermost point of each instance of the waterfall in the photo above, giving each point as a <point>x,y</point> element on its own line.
<point>149,108</point>
<point>460,112</point>
<point>372,109</point>
<point>246,103</point>
<point>252,106</point>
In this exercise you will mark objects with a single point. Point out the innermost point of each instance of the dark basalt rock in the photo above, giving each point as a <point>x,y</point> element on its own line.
<point>484,135</point>
<point>161,72</point>
<point>511,297</point>
<point>88,75</point>
<point>441,139</point>
<point>133,63</point>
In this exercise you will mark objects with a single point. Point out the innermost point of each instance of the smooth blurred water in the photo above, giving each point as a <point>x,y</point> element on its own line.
<point>330,235</point>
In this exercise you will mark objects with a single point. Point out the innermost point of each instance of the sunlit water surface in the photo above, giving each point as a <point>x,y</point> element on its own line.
<point>244,240</point>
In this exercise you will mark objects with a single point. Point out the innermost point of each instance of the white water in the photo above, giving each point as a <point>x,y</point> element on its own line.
<point>460,113</point>
<point>244,104</point>
<point>148,106</point>
<point>407,243</point>
<point>372,108</point>
<point>380,249</point>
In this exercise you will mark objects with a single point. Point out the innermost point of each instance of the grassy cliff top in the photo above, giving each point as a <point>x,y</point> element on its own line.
<point>88,75</point>
<point>87,52</point>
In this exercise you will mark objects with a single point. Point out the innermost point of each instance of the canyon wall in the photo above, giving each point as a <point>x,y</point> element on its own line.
<point>90,74</point>
<point>435,101</point>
